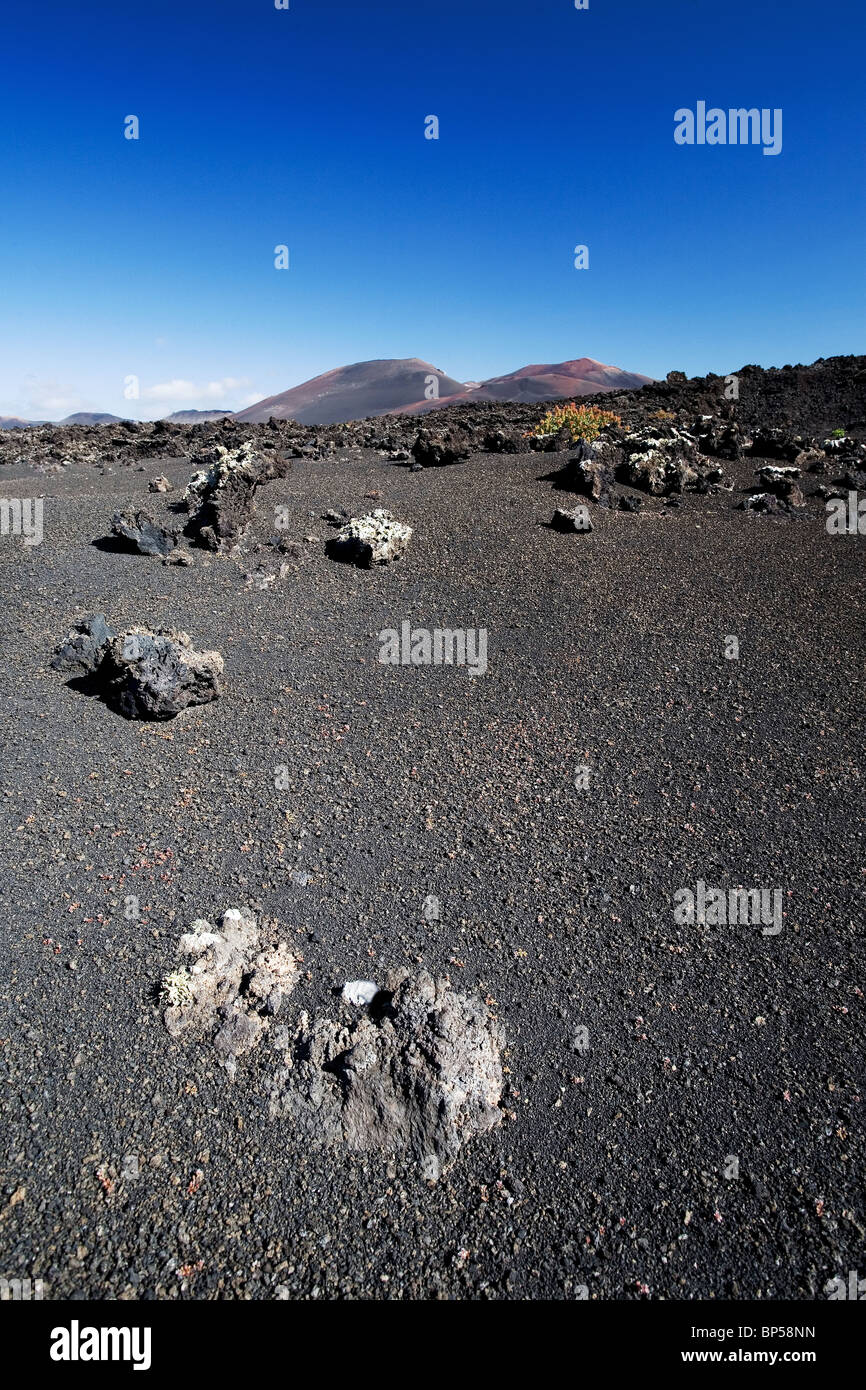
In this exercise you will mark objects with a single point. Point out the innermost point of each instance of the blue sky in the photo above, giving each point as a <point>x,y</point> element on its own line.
<point>258,127</point>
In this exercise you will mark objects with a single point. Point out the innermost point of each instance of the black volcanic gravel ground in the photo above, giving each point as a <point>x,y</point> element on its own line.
<point>605,650</point>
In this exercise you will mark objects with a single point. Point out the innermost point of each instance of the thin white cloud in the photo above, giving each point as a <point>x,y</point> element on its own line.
<point>189,393</point>
<point>49,397</point>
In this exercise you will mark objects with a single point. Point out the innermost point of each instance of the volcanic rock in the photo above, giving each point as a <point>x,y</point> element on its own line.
<point>359,993</point>
<point>590,470</point>
<point>844,449</point>
<point>420,1075</point>
<point>84,647</point>
<point>220,495</point>
<point>229,987</point>
<point>499,442</point>
<point>142,532</point>
<point>578,519</point>
<point>375,539</point>
<point>719,439</point>
<point>781,481</point>
<point>432,450</point>
<point>761,502</point>
<point>659,461</point>
<point>553,442</point>
<point>779,444</point>
<point>155,675</point>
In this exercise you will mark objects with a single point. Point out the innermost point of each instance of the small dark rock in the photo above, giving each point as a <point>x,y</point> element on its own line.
<point>143,533</point>
<point>435,450</point>
<point>84,647</point>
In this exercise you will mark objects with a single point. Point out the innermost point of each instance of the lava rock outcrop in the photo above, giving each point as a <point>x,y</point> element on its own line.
<point>418,1074</point>
<point>141,673</point>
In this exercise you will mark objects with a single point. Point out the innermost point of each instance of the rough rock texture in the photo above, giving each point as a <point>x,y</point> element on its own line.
<point>781,480</point>
<point>663,459</point>
<point>84,647</point>
<point>719,438</point>
<point>220,495</point>
<point>143,533</point>
<point>155,675</point>
<point>499,441</point>
<point>144,674</point>
<point>230,986</point>
<point>590,470</point>
<point>659,461</point>
<point>420,1074</point>
<point>845,450</point>
<point>359,993</point>
<point>432,449</point>
<point>554,441</point>
<point>594,480</point>
<point>633,504</point>
<point>813,461</point>
<point>764,502</point>
<point>375,539</point>
<point>159,484</point>
<point>577,519</point>
<point>779,444</point>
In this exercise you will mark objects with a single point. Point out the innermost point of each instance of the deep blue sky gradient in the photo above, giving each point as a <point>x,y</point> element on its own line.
<point>306,127</point>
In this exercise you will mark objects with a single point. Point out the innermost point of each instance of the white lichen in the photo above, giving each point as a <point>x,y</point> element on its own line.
<point>176,989</point>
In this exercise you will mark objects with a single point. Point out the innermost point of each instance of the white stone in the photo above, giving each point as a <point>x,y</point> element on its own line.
<point>359,992</point>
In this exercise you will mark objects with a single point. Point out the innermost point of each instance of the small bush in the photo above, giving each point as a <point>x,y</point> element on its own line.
<point>838,434</point>
<point>581,421</point>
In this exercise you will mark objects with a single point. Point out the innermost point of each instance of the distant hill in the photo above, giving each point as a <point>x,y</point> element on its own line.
<point>12,422</point>
<point>193,417</point>
<point>81,417</point>
<point>394,386</point>
<point>352,393</point>
<point>89,417</point>
<point>402,387</point>
<point>541,382</point>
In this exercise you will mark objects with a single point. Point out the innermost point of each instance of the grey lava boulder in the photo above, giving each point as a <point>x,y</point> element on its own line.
<point>420,1073</point>
<point>782,481</point>
<point>575,519</point>
<point>220,494</point>
<point>81,650</point>
<point>659,461</point>
<point>143,534</point>
<point>142,673</point>
<point>155,675</point>
<point>435,449</point>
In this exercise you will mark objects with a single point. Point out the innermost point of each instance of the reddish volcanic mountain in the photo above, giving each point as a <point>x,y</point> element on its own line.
<point>400,387</point>
<point>353,393</point>
<point>582,377</point>
<point>541,382</point>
